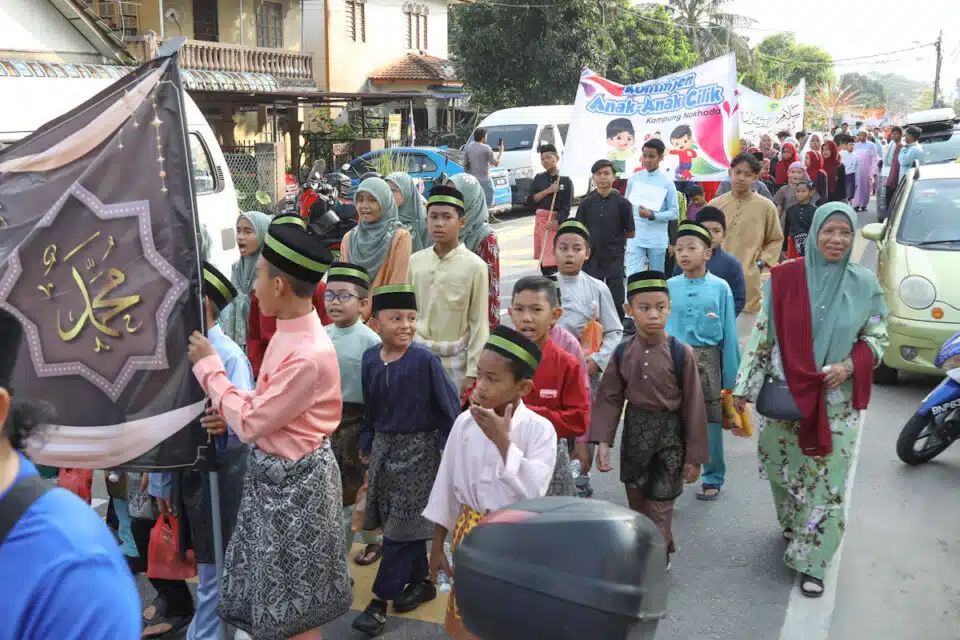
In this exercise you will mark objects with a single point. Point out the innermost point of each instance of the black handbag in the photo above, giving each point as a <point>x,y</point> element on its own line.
<point>775,401</point>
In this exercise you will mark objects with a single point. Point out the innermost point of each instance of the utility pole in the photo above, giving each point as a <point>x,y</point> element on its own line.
<point>936,79</point>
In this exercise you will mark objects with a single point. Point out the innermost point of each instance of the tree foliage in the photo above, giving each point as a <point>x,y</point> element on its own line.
<point>783,60</point>
<point>870,93</point>
<point>517,56</point>
<point>712,30</point>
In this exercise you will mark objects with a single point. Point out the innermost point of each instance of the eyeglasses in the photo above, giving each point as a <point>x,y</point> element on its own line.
<point>342,297</point>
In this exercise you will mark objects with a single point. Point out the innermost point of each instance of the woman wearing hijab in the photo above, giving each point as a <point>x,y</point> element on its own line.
<point>379,243</point>
<point>813,162</point>
<point>411,210</point>
<point>477,236</point>
<point>836,173</point>
<point>788,155</point>
<point>251,231</point>
<point>822,330</point>
<point>63,573</point>
<point>260,328</point>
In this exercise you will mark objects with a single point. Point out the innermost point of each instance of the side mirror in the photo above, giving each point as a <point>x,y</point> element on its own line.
<point>873,231</point>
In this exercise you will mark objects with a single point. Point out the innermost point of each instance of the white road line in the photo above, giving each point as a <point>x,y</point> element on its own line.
<point>809,618</point>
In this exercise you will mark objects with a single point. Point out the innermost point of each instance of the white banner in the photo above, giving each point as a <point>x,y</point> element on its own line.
<point>760,114</point>
<point>694,112</point>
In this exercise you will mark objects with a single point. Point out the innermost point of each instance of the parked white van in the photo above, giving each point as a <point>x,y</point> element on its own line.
<point>26,103</point>
<point>523,130</point>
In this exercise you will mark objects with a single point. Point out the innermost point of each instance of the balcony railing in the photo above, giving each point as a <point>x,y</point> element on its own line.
<point>289,67</point>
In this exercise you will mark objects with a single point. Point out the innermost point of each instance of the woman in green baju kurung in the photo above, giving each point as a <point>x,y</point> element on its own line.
<point>846,307</point>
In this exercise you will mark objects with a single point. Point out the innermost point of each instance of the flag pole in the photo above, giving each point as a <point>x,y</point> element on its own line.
<point>217,533</point>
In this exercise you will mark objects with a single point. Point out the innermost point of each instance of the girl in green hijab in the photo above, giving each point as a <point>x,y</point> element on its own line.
<point>412,212</point>
<point>846,309</point>
<point>369,242</point>
<point>251,231</point>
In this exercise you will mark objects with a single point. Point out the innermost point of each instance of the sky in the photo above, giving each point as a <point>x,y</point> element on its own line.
<point>848,29</point>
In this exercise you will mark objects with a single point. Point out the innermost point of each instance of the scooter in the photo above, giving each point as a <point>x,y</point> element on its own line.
<point>936,424</point>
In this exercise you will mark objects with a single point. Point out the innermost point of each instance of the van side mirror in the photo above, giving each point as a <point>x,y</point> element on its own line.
<point>873,231</point>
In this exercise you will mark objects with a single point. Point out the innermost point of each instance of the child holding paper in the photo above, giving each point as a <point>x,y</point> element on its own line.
<point>654,199</point>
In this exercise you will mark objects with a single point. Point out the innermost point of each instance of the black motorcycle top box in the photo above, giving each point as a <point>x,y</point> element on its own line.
<point>557,568</point>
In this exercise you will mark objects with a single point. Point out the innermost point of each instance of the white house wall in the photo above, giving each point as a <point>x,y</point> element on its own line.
<point>35,30</point>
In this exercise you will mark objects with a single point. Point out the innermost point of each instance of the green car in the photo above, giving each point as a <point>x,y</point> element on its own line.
<point>918,264</point>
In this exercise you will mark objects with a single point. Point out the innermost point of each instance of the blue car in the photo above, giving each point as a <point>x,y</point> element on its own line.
<point>426,164</point>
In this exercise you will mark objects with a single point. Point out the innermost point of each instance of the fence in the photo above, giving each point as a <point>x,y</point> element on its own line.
<point>253,169</point>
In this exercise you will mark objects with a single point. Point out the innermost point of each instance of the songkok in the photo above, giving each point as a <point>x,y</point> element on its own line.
<point>217,286</point>
<point>448,195</point>
<point>290,218</point>
<point>695,229</point>
<point>298,254</point>
<point>11,334</point>
<point>549,148</point>
<point>515,346</point>
<point>647,282</point>
<point>348,272</point>
<point>395,296</point>
<point>712,214</point>
<point>573,226</point>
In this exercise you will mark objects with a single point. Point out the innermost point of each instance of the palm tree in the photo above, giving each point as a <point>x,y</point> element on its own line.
<point>830,100</point>
<point>712,31</point>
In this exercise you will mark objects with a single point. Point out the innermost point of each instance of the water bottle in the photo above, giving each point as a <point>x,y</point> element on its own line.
<point>575,469</point>
<point>445,582</point>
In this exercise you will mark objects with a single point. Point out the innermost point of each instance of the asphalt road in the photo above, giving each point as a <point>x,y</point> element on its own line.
<point>896,574</point>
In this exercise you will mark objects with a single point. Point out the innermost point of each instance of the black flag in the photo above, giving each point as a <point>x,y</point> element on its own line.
<point>99,261</point>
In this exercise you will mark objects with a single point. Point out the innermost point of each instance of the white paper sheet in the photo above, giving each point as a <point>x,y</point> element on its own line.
<point>648,196</point>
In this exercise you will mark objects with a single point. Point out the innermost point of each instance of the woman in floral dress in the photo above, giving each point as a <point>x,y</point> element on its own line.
<point>837,330</point>
<point>477,236</point>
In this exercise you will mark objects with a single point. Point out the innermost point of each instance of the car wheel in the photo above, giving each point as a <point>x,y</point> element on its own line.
<point>884,375</point>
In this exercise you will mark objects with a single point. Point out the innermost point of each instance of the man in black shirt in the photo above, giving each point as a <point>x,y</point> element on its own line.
<point>551,196</point>
<point>609,218</point>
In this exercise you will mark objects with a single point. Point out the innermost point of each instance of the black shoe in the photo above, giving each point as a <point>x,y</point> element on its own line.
<point>414,595</point>
<point>373,619</point>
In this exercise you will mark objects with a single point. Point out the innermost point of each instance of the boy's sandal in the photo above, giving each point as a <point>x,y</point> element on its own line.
<point>810,586</point>
<point>708,493</point>
<point>370,554</point>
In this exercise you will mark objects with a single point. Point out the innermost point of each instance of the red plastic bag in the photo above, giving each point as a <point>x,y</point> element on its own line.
<point>163,554</point>
<point>78,481</point>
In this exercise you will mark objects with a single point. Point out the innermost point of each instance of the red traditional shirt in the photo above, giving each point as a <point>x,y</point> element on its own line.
<point>560,392</point>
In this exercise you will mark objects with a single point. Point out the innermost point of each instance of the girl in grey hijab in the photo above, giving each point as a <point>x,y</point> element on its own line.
<point>412,212</point>
<point>369,243</point>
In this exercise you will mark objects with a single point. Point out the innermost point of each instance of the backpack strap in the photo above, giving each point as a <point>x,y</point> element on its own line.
<point>618,351</point>
<point>18,499</point>
<point>678,352</point>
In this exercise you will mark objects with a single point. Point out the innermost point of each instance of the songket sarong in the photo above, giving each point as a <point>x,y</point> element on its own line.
<point>285,570</point>
<point>562,483</point>
<point>453,623</point>
<point>652,453</point>
<point>345,442</point>
<point>403,468</point>
<point>453,357</point>
<point>710,365</point>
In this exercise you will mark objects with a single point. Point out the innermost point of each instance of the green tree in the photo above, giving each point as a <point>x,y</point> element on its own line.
<point>517,56</point>
<point>712,30</point>
<point>644,49</point>
<point>901,93</point>
<point>783,60</point>
<point>870,93</point>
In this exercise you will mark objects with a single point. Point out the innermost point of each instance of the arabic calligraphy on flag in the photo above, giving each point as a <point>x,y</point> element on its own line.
<point>98,260</point>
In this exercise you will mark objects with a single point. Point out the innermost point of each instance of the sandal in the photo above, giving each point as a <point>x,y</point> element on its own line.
<point>810,586</point>
<point>370,554</point>
<point>703,494</point>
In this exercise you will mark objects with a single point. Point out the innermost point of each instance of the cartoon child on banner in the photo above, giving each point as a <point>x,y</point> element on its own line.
<point>621,136</point>
<point>682,141</point>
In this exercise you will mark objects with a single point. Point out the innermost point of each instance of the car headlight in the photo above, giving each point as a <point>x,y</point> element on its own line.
<point>917,292</point>
<point>524,173</point>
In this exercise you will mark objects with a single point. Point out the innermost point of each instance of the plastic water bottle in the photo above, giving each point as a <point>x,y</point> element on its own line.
<point>575,469</point>
<point>445,582</point>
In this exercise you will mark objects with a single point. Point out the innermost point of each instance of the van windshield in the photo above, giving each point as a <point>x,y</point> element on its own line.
<point>516,137</point>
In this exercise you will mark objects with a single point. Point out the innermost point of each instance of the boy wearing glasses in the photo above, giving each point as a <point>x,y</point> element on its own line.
<point>346,298</point>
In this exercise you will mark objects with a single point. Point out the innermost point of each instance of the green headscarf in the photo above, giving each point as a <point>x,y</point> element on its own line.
<point>368,244</point>
<point>412,213</point>
<point>477,227</point>
<point>236,316</point>
<point>843,294</point>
